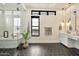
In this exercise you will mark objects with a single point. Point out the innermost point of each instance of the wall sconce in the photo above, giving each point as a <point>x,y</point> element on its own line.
<point>75,13</point>
<point>62,23</point>
<point>69,25</point>
<point>69,22</point>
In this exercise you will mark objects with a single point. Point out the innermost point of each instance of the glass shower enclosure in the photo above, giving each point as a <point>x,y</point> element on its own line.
<point>10,27</point>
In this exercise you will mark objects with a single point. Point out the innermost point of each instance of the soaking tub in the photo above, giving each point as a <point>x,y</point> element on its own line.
<point>10,42</point>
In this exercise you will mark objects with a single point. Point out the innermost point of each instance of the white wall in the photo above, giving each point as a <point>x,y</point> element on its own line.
<point>53,21</point>
<point>70,14</point>
<point>45,21</point>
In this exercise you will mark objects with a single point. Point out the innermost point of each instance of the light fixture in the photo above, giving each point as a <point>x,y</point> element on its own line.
<point>69,22</point>
<point>68,5</point>
<point>17,9</point>
<point>75,13</point>
<point>62,23</point>
<point>61,26</point>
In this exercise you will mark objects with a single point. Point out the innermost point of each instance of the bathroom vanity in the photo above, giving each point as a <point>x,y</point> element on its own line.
<point>69,40</point>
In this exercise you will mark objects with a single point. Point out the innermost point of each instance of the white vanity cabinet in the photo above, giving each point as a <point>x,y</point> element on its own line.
<point>69,40</point>
<point>63,38</point>
<point>71,43</point>
<point>77,44</point>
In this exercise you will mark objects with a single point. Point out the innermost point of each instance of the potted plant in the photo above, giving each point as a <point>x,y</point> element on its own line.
<point>26,38</point>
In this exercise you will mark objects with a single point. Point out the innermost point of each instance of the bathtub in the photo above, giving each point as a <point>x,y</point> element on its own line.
<point>10,42</point>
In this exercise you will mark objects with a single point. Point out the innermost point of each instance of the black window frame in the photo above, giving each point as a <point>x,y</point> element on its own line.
<point>35,11</point>
<point>43,11</point>
<point>35,26</point>
<point>39,11</point>
<point>51,11</point>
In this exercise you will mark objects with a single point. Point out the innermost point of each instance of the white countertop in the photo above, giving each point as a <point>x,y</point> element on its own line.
<point>71,36</point>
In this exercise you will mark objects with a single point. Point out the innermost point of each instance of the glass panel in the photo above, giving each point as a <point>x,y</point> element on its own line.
<point>35,21</point>
<point>16,25</point>
<point>35,25</point>
<point>7,19</point>
<point>35,13</point>
<point>8,12</point>
<point>16,21</point>
<point>51,13</point>
<point>16,13</point>
<point>43,13</point>
<point>35,32</point>
<point>35,28</point>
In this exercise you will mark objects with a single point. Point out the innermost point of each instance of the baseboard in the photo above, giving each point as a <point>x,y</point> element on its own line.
<point>41,43</point>
<point>44,42</point>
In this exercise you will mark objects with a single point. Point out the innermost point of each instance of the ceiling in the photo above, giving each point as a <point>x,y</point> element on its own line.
<point>10,6</point>
<point>47,5</point>
<point>55,6</point>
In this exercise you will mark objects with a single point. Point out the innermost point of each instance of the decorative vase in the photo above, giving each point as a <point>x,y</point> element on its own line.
<point>25,45</point>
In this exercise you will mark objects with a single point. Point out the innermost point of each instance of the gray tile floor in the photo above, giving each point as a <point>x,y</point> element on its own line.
<point>7,52</point>
<point>53,49</point>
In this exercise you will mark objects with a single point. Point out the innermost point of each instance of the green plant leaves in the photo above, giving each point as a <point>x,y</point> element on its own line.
<point>25,35</point>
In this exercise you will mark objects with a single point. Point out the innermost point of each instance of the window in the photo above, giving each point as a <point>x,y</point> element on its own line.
<point>51,13</point>
<point>42,12</point>
<point>35,13</point>
<point>35,26</point>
